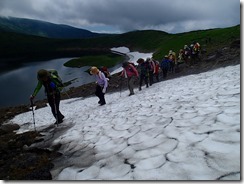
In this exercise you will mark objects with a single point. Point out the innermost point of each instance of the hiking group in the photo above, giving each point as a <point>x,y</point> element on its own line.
<point>145,71</point>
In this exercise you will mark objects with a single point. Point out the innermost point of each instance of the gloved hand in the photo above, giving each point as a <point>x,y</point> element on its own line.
<point>52,85</point>
<point>32,97</point>
<point>104,90</point>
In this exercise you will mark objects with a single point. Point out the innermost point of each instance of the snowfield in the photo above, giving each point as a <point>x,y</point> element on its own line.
<point>181,129</point>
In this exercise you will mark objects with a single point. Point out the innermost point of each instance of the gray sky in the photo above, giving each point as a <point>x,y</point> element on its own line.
<point>173,16</point>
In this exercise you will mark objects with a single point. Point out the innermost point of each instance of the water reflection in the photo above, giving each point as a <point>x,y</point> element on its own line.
<point>18,85</point>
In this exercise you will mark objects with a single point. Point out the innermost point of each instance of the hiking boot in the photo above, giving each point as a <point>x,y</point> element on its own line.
<point>58,122</point>
<point>102,103</point>
<point>131,94</point>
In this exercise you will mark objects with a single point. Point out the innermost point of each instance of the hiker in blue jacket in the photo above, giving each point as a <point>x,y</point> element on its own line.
<point>165,64</point>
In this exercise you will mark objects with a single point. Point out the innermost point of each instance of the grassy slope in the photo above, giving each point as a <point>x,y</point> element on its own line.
<point>159,42</point>
<point>108,60</point>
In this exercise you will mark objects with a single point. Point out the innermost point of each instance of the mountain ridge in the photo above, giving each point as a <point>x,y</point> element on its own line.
<point>44,29</point>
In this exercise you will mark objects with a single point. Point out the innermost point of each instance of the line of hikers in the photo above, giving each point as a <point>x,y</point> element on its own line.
<point>145,71</point>
<point>148,69</point>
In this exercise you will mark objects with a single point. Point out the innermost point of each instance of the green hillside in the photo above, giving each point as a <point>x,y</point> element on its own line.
<point>24,47</point>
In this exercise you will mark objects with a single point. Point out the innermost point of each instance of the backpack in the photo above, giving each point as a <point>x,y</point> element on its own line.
<point>54,75</point>
<point>105,71</point>
<point>165,64</point>
<point>133,64</point>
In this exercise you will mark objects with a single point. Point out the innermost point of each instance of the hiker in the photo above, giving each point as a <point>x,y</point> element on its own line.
<point>129,72</point>
<point>195,52</point>
<point>165,64</point>
<point>151,70</point>
<point>143,70</point>
<point>172,60</point>
<point>181,58</point>
<point>53,86</point>
<point>156,74</point>
<point>102,84</point>
<point>187,55</point>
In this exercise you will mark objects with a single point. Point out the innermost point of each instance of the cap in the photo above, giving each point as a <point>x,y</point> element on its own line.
<point>42,74</point>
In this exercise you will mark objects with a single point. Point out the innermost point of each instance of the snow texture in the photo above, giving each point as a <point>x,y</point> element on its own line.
<point>181,129</point>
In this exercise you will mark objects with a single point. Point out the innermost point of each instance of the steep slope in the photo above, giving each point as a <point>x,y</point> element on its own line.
<point>181,129</point>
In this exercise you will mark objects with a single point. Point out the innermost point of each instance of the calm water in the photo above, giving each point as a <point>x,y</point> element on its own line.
<point>17,85</point>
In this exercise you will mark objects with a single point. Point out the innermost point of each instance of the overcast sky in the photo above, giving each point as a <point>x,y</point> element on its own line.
<point>173,16</point>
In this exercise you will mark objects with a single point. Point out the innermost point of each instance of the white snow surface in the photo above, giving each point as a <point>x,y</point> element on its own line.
<point>182,129</point>
<point>133,56</point>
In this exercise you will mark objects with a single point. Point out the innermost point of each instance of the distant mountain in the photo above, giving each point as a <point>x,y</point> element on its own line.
<point>44,29</point>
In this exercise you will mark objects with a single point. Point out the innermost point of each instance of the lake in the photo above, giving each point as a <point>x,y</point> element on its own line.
<point>18,84</point>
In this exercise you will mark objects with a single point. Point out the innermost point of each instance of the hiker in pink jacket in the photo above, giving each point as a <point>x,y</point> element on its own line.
<point>130,72</point>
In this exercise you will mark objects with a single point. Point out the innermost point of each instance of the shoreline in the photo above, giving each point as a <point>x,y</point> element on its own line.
<point>32,149</point>
<point>221,57</point>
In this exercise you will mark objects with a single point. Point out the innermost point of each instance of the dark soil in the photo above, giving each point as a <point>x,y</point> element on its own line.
<point>19,162</point>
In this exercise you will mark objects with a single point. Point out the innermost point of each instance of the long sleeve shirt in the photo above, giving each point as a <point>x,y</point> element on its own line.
<point>101,80</point>
<point>46,84</point>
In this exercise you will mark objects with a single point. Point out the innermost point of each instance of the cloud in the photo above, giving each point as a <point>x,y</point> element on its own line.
<point>127,15</point>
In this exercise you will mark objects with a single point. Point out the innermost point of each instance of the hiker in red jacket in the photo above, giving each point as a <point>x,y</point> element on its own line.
<point>129,72</point>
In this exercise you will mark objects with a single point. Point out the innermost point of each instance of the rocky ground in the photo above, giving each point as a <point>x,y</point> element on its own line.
<point>18,161</point>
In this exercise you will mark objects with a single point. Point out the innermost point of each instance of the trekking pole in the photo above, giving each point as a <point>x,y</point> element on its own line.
<point>65,91</point>
<point>33,113</point>
<point>120,85</point>
<point>55,109</point>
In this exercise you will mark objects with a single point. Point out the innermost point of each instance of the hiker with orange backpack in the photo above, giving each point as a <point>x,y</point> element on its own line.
<point>102,84</point>
<point>129,72</point>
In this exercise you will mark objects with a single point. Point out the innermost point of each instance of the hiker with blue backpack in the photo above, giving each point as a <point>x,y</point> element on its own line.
<point>102,84</point>
<point>53,86</point>
<point>165,64</point>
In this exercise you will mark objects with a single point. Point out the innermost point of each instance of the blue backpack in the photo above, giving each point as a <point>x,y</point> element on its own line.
<point>165,63</point>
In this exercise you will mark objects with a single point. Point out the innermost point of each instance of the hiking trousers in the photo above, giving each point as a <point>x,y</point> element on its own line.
<point>151,78</point>
<point>131,81</point>
<point>165,71</point>
<point>54,101</point>
<point>99,93</point>
<point>157,77</point>
<point>143,77</point>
